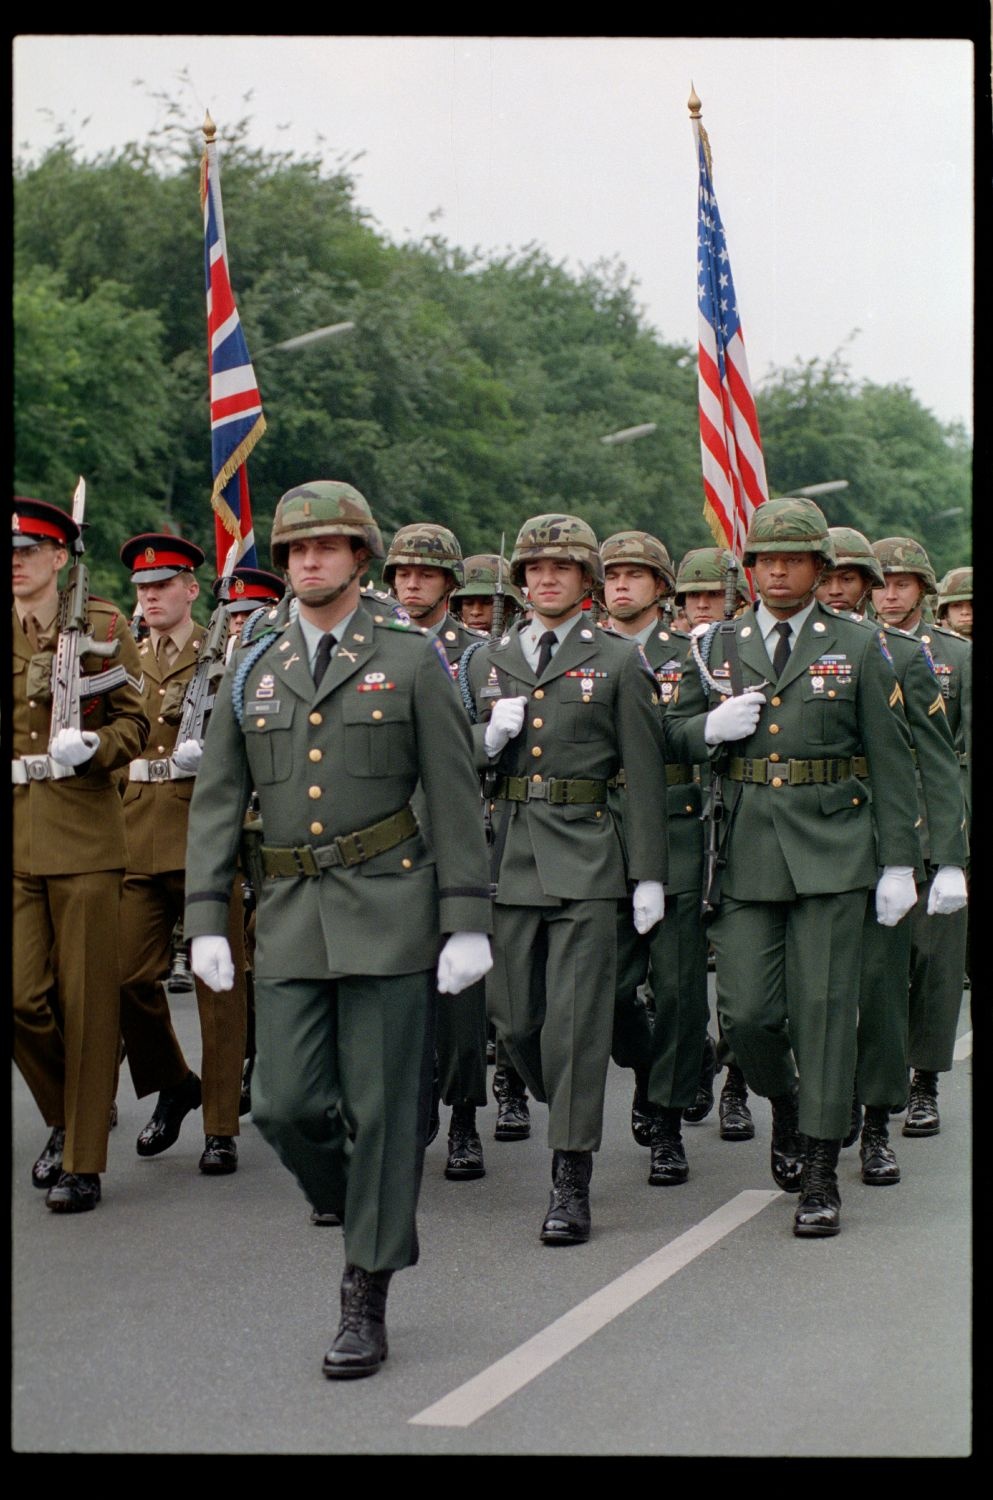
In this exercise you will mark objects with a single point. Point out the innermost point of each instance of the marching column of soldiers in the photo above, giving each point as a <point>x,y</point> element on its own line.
<point>511,803</point>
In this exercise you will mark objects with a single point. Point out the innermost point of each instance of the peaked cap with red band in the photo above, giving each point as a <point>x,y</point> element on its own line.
<point>36,521</point>
<point>154,557</point>
<point>248,588</point>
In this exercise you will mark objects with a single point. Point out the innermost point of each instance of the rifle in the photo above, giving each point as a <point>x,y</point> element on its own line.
<point>713,813</point>
<point>69,686</point>
<point>198,700</point>
<point>499,596</point>
<point>496,631</point>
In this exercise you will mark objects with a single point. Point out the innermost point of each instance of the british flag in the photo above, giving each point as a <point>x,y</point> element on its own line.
<point>734,481</point>
<point>236,420</point>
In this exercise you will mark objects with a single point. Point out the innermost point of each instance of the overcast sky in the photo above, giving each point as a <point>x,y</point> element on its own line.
<point>843,168</point>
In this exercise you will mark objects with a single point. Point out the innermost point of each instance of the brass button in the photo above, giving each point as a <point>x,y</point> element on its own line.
<point>161,749</point>
<point>773,728</point>
<point>317,827</point>
<point>831,693</point>
<point>408,864</point>
<point>160,720</point>
<point>315,754</point>
<point>161,692</point>
<point>538,723</point>
<point>539,692</point>
<point>32,703</point>
<point>259,723</point>
<point>313,793</point>
<point>34,734</point>
<point>689,807</point>
<point>855,802</point>
<point>774,755</point>
<point>777,781</point>
<point>775,702</point>
<point>586,697</point>
<point>377,713</point>
<point>536,750</point>
<point>599,813</point>
<point>536,776</point>
<point>316,718</point>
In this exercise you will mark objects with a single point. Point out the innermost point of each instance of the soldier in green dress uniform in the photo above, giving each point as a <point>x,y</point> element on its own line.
<point>801,842</point>
<point>334,717</point>
<point>955,601</point>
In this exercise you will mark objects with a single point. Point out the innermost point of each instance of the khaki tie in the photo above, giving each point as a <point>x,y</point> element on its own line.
<point>32,633</point>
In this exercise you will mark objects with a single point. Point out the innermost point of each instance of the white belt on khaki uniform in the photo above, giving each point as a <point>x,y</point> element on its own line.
<point>157,770</point>
<point>37,768</point>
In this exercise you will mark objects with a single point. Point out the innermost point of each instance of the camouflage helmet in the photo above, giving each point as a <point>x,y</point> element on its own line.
<point>955,588</point>
<point>704,571</point>
<point>424,545</point>
<point>564,537</point>
<point>481,575</point>
<point>322,507</point>
<point>902,554</point>
<point>790,523</point>
<point>642,549</point>
<point>852,550</point>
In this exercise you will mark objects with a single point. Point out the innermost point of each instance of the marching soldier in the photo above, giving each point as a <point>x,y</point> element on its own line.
<point>156,809</point>
<point>955,601</point>
<point>562,708</point>
<point>335,718</point>
<point>638,575</point>
<point>801,843</point>
<point>68,863</point>
<point>423,568</point>
<point>938,949</point>
<point>881,1079</point>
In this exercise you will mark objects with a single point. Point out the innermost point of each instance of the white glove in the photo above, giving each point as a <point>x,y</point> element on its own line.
<point>896,894</point>
<point>465,958</point>
<point>506,720</point>
<point>648,902</point>
<point>734,719</point>
<point>74,747</point>
<point>210,960</point>
<point>188,755</point>
<point>948,892</point>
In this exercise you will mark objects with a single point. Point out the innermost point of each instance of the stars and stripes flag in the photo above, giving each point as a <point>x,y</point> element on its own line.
<point>236,420</point>
<point>734,479</point>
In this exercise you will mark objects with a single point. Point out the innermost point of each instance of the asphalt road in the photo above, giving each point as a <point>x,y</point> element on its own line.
<point>190,1314</point>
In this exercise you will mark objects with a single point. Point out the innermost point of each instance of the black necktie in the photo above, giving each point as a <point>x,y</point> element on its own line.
<point>782,653</point>
<point>325,650</point>
<point>545,644</point>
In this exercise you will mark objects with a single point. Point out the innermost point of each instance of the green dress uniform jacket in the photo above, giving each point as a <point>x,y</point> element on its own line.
<point>803,835</point>
<point>69,854</point>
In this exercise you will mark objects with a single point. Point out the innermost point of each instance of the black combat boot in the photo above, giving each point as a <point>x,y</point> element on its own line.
<point>513,1121</point>
<point>855,1124</point>
<point>922,1106</point>
<point>669,1166</point>
<point>736,1117</point>
<point>697,1112</point>
<point>465,1149</point>
<point>360,1345</point>
<point>787,1142</point>
<point>568,1219</point>
<point>879,1164</point>
<point>162,1130</point>
<point>818,1214</point>
<point>48,1168</point>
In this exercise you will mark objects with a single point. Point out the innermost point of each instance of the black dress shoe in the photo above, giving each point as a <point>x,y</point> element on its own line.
<point>220,1156</point>
<point>568,1219</point>
<point>643,1116</point>
<point>697,1112</point>
<point>48,1168</point>
<point>669,1166</point>
<point>736,1118</point>
<point>465,1149</point>
<point>74,1193</point>
<point>879,1163</point>
<point>922,1106</point>
<point>513,1121</point>
<point>818,1214</point>
<point>325,1221</point>
<point>360,1344</point>
<point>787,1154</point>
<point>162,1130</point>
<point>855,1124</point>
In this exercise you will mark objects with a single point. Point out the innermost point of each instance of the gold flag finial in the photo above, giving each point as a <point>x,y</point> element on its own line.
<point>694,103</point>
<point>209,129</point>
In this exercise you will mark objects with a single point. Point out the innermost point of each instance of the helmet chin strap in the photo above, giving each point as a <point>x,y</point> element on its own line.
<point>318,598</point>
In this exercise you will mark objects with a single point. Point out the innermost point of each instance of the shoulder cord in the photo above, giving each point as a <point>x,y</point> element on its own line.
<point>463,679</point>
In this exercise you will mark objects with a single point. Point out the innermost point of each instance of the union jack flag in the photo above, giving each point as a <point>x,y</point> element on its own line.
<point>734,481</point>
<point>236,420</point>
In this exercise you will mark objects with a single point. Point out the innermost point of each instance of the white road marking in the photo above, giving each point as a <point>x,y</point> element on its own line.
<point>963,1047</point>
<point>462,1407</point>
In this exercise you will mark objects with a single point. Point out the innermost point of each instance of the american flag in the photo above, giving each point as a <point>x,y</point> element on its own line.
<point>236,420</point>
<point>734,479</point>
